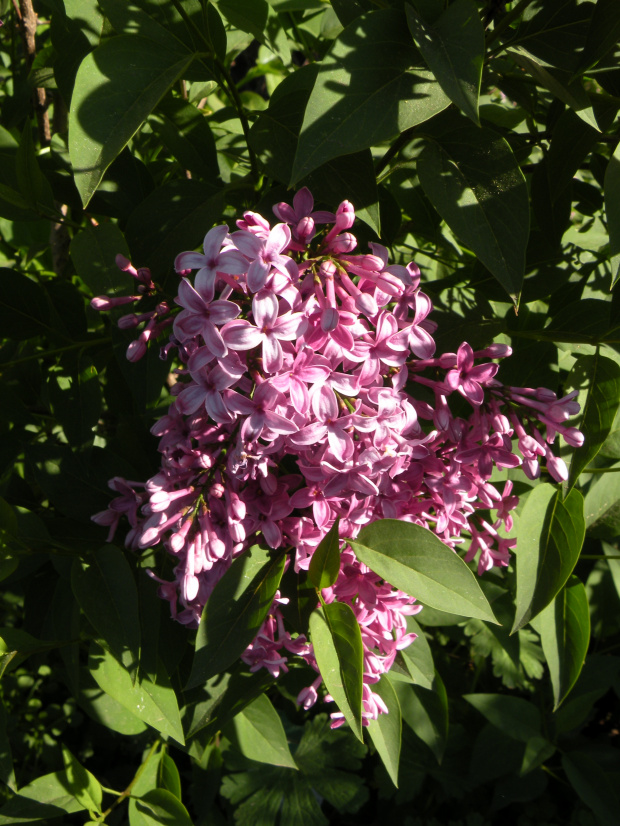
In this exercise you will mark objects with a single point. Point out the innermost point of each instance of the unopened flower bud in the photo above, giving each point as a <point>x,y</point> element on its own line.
<point>305,229</point>
<point>344,243</point>
<point>345,215</point>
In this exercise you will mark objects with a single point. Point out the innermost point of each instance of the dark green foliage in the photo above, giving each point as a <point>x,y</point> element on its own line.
<point>479,139</point>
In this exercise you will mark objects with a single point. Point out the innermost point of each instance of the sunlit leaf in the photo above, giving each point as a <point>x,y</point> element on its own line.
<point>601,376</point>
<point>551,533</point>
<point>386,731</point>
<point>338,649</point>
<point>116,88</point>
<point>414,560</point>
<point>366,92</point>
<point>81,783</point>
<point>154,703</point>
<point>564,628</point>
<point>426,713</point>
<point>325,562</point>
<point>258,733</point>
<point>235,612</point>
<point>453,48</point>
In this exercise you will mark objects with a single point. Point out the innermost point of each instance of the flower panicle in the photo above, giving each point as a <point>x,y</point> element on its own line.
<point>309,391</point>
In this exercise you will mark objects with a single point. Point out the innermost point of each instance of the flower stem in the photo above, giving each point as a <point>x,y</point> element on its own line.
<point>57,351</point>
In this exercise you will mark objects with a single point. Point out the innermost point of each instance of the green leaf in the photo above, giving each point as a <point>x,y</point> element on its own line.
<point>596,678</point>
<point>603,34</point>
<point>24,307</point>
<point>302,599</point>
<point>235,612</point>
<point>33,185</point>
<point>570,92</point>
<point>337,642</point>
<point>418,657</point>
<point>351,178</point>
<point>612,211</point>
<point>348,10</point>
<point>168,776</point>
<point>9,544</point>
<point>602,505</point>
<point>473,180</point>
<point>161,808</point>
<point>515,717</point>
<point>145,380</point>
<point>325,564</point>
<point>258,733</point>
<point>185,132</point>
<point>147,780</point>
<point>81,783</point>
<point>274,138</point>
<point>154,703</point>
<point>76,401</point>
<point>116,88</point>
<point>104,709</point>
<point>613,563</point>
<point>415,561</point>
<point>7,773</point>
<point>327,759</point>
<point>366,92</point>
<point>174,217</point>
<point>551,533</point>
<point>453,48</point>
<point>386,731</point>
<point>75,484</point>
<point>45,798</point>
<point>156,20</point>
<point>104,586</point>
<point>537,751</point>
<point>601,377</point>
<point>426,713</point>
<point>564,628</point>
<point>275,133</point>
<point>227,695</point>
<point>258,19</point>
<point>16,645</point>
<point>592,785</point>
<point>93,252</point>
<point>555,31</point>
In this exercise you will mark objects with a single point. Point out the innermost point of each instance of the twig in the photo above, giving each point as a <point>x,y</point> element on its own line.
<point>127,791</point>
<point>28,25</point>
<point>35,356</point>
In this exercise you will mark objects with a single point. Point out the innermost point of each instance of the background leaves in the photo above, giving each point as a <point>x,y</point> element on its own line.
<point>155,120</point>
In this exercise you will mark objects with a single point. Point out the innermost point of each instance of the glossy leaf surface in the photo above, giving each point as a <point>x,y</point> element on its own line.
<point>414,560</point>
<point>551,534</point>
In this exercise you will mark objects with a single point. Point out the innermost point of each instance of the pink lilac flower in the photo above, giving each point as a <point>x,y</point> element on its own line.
<point>295,405</point>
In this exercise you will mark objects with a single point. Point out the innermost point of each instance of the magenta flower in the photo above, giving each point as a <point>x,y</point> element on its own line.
<point>308,367</point>
<point>270,329</point>
<point>200,317</point>
<point>265,254</point>
<point>303,204</point>
<point>466,378</point>
<point>213,261</point>
<point>260,413</point>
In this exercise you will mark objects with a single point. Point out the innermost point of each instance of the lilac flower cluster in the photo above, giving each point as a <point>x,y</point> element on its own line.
<point>309,391</point>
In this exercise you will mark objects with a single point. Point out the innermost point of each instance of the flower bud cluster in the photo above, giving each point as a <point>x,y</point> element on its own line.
<point>309,391</point>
